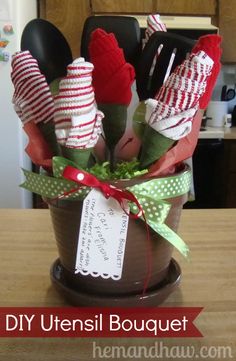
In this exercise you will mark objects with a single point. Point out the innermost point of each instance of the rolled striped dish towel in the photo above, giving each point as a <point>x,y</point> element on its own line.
<point>154,23</point>
<point>172,111</point>
<point>78,122</point>
<point>169,116</point>
<point>32,98</point>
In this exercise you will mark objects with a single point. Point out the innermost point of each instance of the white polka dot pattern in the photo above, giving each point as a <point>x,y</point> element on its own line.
<point>148,193</point>
<point>151,195</point>
<point>50,187</point>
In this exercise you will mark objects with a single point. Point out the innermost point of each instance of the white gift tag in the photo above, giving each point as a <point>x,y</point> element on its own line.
<point>102,237</point>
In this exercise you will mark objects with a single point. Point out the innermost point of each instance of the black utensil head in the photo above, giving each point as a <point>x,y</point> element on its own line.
<point>48,46</point>
<point>148,85</point>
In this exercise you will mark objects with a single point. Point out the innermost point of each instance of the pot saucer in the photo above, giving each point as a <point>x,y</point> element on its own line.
<point>153,297</point>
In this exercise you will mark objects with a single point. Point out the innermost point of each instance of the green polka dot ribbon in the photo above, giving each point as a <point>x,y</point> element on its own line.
<point>152,195</point>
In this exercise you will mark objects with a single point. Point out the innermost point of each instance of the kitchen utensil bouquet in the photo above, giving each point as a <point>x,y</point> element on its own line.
<point>88,112</point>
<point>92,102</point>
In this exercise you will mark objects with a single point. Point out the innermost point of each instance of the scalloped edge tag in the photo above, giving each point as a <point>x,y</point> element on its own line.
<point>102,237</point>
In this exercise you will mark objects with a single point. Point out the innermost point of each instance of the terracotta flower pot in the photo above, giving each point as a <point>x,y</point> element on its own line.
<point>66,217</point>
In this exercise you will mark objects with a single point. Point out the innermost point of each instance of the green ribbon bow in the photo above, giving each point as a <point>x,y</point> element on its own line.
<point>151,195</point>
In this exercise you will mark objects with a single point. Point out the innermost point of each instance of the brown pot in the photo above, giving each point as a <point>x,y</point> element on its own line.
<point>66,222</point>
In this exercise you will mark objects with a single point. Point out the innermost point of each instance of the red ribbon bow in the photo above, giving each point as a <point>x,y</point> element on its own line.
<point>89,180</point>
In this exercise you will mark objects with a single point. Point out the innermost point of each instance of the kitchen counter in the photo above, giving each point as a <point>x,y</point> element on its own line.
<point>230,133</point>
<point>209,280</point>
<point>218,133</point>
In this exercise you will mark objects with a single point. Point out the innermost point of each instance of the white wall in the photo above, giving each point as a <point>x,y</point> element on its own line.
<point>227,77</point>
<point>12,139</point>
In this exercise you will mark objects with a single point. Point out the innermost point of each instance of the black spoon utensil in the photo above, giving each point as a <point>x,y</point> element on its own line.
<point>48,46</point>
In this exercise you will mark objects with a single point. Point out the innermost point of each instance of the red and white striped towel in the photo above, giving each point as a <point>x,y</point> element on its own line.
<point>78,123</point>
<point>173,109</point>
<point>32,98</point>
<point>154,23</point>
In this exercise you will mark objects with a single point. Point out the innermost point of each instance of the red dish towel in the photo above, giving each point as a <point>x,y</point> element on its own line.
<point>211,45</point>
<point>112,76</point>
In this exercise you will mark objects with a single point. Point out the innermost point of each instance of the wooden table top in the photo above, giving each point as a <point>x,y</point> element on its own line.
<point>230,133</point>
<point>208,280</point>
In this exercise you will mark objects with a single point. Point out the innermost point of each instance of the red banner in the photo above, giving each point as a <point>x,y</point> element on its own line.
<point>98,322</point>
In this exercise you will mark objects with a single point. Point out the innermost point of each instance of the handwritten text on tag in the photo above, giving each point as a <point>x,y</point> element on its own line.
<point>102,237</point>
